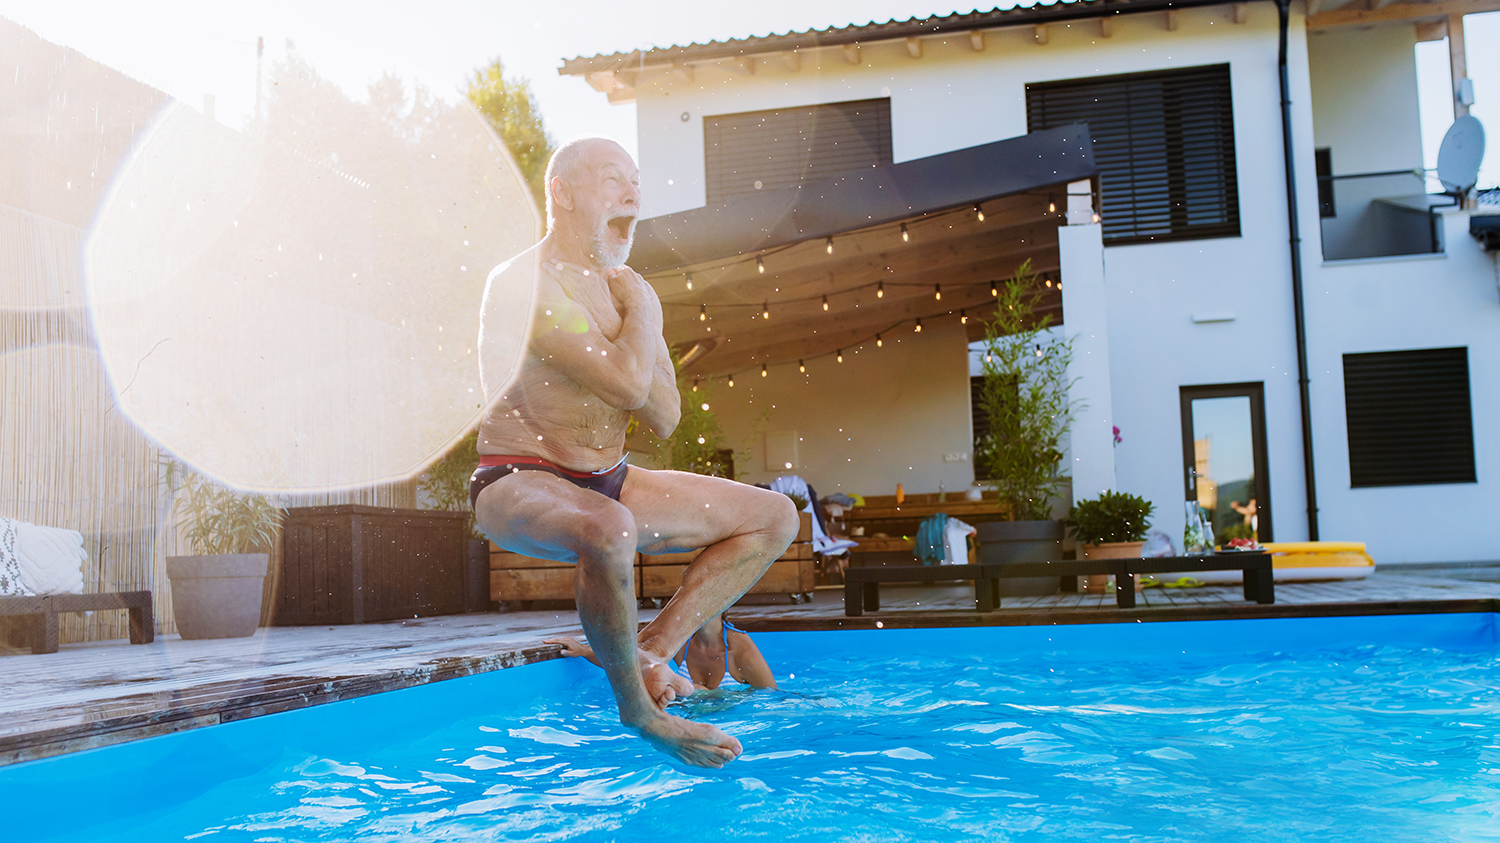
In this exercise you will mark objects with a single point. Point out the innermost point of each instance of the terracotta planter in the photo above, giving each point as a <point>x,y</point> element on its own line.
<point>1099,583</point>
<point>217,596</point>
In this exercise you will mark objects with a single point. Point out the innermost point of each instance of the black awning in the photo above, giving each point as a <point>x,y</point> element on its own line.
<point>863,198</point>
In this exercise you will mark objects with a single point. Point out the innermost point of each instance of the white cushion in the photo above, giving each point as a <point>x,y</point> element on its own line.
<point>11,582</point>
<point>50,559</point>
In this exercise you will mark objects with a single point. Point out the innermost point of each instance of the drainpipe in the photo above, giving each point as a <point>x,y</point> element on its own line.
<point>1284,13</point>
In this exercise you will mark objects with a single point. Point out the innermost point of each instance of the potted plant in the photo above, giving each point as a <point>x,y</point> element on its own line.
<point>217,593</point>
<point>1024,394</point>
<point>1112,526</point>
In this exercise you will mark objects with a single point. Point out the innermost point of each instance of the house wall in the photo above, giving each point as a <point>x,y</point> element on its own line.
<point>883,416</point>
<point>954,97</point>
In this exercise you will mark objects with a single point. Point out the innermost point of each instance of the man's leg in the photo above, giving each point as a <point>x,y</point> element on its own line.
<point>539,514</point>
<point>742,530</point>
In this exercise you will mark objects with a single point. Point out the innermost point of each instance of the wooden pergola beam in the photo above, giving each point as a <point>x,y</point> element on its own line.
<point>1360,14</point>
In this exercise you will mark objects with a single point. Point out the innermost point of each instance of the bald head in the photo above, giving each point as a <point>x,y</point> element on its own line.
<point>593,199</point>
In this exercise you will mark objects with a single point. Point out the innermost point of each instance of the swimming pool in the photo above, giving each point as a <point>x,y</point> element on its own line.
<point>1362,728</point>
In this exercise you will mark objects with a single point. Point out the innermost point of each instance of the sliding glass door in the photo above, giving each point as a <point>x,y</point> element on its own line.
<point>1224,457</point>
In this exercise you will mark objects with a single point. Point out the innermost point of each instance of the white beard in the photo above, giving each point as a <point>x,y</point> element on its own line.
<point>607,253</point>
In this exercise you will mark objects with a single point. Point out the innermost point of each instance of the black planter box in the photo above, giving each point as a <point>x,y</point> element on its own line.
<point>357,564</point>
<point>1003,542</point>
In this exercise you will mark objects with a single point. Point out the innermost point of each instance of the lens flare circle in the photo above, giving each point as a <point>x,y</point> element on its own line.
<point>295,307</point>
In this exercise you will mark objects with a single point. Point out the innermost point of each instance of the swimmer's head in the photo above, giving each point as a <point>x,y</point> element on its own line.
<point>594,192</point>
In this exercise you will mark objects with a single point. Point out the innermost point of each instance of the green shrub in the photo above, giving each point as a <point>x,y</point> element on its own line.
<point>1113,517</point>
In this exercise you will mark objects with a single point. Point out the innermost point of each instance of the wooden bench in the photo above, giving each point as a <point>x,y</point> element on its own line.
<point>521,579</point>
<point>862,585</point>
<point>899,523</point>
<point>43,609</point>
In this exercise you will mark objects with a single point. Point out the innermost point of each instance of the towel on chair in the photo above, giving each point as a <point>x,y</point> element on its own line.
<point>40,560</point>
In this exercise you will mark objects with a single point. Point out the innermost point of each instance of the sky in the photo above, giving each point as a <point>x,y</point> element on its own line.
<point>189,49</point>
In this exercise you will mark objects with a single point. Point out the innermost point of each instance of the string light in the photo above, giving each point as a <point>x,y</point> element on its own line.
<point>1048,280</point>
<point>695,384</point>
<point>690,280</point>
<point>830,245</point>
<point>879,343</point>
<point>963,318</point>
<point>1059,286</point>
<point>1039,351</point>
<point>937,291</point>
<point>994,290</point>
<point>703,313</point>
<point>825,304</point>
<point>905,235</point>
<point>765,310</point>
<point>762,370</point>
<point>987,357</point>
<point>1051,206</point>
<point>841,355</point>
<point>979,212</point>
<point>880,289</point>
<point>731,380</point>
<point>1096,218</point>
<point>801,367</point>
<point>760,265</point>
<point>919,325</point>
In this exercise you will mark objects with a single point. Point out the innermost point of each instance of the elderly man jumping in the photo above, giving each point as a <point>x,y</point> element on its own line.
<point>553,482</point>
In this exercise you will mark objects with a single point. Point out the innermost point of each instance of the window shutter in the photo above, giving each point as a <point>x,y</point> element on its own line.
<point>1409,417</point>
<point>1164,144</point>
<point>788,146</point>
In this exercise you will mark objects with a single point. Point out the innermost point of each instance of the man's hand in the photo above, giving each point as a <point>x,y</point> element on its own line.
<point>637,297</point>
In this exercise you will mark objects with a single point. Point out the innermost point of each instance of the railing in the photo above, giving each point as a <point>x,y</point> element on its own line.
<point>1371,215</point>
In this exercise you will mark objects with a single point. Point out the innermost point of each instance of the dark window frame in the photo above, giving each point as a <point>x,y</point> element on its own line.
<point>1394,427</point>
<point>795,145</point>
<point>1165,144</point>
<point>1256,392</point>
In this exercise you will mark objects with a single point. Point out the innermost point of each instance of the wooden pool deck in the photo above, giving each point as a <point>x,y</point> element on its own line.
<point>91,695</point>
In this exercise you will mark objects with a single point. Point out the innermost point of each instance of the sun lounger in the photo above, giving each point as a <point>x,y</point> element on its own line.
<point>43,610</point>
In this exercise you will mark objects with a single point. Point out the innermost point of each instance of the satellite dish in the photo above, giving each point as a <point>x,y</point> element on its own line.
<point>1460,154</point>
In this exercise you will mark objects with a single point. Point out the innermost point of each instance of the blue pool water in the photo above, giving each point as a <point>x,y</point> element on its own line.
<point>1297,730</point>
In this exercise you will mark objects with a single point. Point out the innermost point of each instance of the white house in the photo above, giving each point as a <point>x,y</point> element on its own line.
<point>1182,297</point>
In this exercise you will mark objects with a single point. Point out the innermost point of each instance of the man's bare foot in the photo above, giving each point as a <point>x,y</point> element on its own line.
<point>662,682</point>
<point>697,744</point>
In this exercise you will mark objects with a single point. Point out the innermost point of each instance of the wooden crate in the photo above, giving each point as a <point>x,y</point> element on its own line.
<point>357,564</point>
<point>515,578</point>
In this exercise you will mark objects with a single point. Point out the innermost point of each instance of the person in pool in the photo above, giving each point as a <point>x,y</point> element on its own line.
<point>552,481</point>
<point>717,652</point>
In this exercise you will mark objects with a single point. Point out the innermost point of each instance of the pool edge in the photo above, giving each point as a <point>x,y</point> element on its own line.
<point>216,708</point>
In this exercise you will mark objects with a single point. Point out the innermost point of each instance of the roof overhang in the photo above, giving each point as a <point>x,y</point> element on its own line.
<point>771,251</point>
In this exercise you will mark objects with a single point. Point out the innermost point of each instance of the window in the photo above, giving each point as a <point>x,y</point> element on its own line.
<point>1409,417</point>
<point>1164,144</point>
<point>764,150</point>
<point>1224,457</point>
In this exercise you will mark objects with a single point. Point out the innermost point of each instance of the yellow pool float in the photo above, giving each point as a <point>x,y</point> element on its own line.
<point>1299,562</point>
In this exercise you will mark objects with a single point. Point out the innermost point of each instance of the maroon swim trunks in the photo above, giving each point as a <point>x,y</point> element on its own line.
<point>492,467</point>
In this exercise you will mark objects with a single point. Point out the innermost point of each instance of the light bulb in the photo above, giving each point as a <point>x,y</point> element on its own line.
<point>918,329</point>
<point>994,290</point>
<point>762,370</point>
<point>841,355</point>
<point>963,318</point>
<point>703,313</point>
<point>1051,206</point>
<point>731,380</point>
<point>880,289</point>
<point>978,211</point>
<point>1049,281</point>
<point>1039,351</point>
<point>690,280</point>
<point>825,303</point>
<point>905,235</point>
<point>695,384</point>
<point>801,367</point>
<point>760,264</point>
<point>937,290</point>
<point>830,245</point>
<point>879,343</point>
<point>765,310</point>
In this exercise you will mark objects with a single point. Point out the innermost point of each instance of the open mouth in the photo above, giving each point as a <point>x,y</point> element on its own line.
<point>620,226</point>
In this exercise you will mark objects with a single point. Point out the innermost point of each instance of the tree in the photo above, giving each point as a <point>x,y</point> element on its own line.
<point>511,108</point>
<point>1025,395</point>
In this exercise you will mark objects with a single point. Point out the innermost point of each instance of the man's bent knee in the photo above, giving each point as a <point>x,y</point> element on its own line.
<point>607,540</point>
